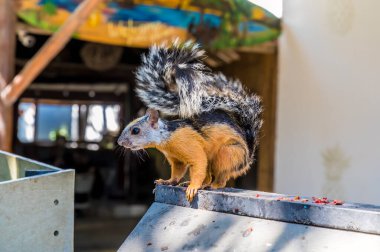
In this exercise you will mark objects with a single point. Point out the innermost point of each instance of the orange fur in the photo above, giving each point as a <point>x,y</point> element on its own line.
<point>218,152</point>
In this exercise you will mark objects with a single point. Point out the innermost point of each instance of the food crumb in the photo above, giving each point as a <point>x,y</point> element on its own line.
<point>316,200</point>
<point>247,232</point>
<point>325,201</point>
<point>257,195</point>
<point>149,244</point>
<point>164,248</point>
<point>337,202</point>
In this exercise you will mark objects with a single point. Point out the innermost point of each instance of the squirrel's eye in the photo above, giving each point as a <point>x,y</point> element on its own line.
<point>135,131</point>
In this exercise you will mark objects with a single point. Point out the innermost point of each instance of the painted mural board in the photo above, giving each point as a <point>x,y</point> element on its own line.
<point>141,23</point>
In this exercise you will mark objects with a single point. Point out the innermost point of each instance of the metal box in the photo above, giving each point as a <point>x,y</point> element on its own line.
<point>36,206</point>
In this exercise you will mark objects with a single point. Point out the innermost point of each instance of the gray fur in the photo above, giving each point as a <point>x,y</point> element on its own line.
<point>178,65</point>
<point>148,135</point>
<point>197,89</point>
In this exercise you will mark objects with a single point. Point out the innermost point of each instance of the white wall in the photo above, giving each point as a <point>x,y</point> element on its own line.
<point>328,126</point>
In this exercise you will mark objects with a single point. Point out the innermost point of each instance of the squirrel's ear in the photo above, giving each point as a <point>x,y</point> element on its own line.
<point>152,117</point>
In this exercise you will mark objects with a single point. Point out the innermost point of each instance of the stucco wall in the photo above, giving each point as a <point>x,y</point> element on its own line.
<point>328,139</point>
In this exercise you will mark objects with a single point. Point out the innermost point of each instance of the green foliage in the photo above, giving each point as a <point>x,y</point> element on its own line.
<point>61,132</point>
<point>227,41</point>
<point>50,8</point>
<point>30,16</point>
<point>233,29</point>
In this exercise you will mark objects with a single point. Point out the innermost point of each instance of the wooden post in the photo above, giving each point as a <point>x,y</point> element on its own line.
<point>266,153</point>
<point>7,64</point>
<point>51,48</point>
<point>258,72</point>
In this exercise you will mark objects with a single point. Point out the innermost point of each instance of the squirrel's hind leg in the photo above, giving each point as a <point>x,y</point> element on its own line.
<point>227,163</point>
<point>220,181</point>
<point>206,182</point>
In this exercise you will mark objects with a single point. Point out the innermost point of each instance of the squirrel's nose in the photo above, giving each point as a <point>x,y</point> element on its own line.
<point>123,142</point>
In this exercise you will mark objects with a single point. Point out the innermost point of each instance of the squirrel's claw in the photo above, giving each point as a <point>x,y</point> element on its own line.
<point>191,191</point>
<point>166,182</point>
<point>184,184</point>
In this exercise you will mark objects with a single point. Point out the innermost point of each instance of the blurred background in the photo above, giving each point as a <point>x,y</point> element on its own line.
<point>314,63</point>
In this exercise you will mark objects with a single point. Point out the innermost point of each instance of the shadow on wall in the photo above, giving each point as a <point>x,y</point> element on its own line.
<point>335,163</point>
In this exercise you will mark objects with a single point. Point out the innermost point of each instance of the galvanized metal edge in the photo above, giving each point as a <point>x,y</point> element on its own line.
<point>30,160</point>
<point>363,218</point>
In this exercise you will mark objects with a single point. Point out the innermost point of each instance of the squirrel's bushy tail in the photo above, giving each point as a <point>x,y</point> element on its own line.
<point>230,96</point>
<point>175,81</point>
<point>171,79</point>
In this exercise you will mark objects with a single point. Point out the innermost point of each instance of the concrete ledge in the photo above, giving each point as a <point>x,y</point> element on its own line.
<point>349,216</point>
<point>168,228</point>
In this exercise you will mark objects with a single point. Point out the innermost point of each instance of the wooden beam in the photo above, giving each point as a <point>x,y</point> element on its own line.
<point>258,71</point>
<point>7,39</point>
<point>71,70</point>
<point>51,48</point>
<point>265,48</point>
<point>3,83</point>
<point>268,92</point>
<point>7,65</point>
<point>31,29</point>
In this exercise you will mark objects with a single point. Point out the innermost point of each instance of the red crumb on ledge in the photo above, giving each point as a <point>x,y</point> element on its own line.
<point>247,232</point>
<point>322,201</point>
<point>325,201</point>
<point>337,202</point>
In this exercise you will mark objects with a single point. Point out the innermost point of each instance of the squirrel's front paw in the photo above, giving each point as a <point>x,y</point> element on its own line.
<point>191,191</point>
<point>166,182</point>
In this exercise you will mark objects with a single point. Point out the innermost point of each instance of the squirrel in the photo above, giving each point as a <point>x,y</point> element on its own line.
<point>217,130</point>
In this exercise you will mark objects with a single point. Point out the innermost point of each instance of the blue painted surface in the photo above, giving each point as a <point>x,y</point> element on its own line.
<point>153,13</point>
<point>30,173</point>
